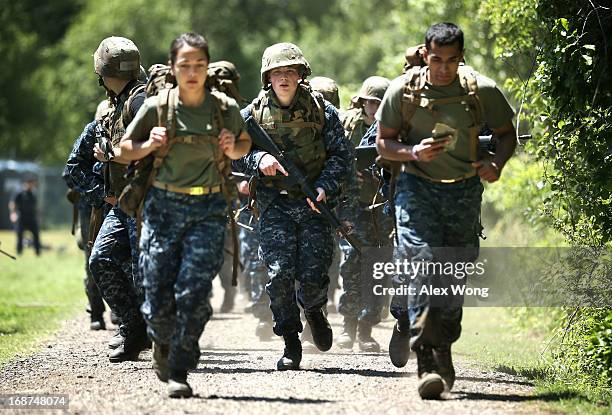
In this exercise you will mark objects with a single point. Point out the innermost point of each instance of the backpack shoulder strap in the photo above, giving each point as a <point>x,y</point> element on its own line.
<point>412,95</point>
<point>126,117</point>
<point>314,103</point>
<point>166,106</point>
<point>220,104</point>
<point>258,105</point>
<point>469,83</point>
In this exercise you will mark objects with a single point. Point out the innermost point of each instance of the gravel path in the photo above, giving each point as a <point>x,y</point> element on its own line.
<point>236,375</point>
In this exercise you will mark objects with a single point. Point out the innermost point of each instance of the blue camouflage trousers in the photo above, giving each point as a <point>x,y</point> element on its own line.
<point>357,300</point>
<point>96,304</point>
<point>113,265</point>
<point>255,272</point>
<point>296,244</point>
<point>435,222</point>
<point>181,252</point>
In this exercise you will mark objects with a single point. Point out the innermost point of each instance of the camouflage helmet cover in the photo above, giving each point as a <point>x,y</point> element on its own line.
<point>373,87</point>
<point>282,54</point>
<point>328,88</point>
<point>117,57</point>
<point>224,70</point>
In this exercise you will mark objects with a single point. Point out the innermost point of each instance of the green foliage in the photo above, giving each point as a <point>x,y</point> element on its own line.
<point>586,346</point>
<point>567,96</point>
<point>53,91</point>
<point>26,28</point>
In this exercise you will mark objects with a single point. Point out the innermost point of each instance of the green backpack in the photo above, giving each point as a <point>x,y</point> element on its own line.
<point>142,173</point>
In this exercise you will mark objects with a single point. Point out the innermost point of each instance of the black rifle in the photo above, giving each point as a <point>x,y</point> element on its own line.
<point>262,140</point>
<point>488,143</point>
<point>6,253</point>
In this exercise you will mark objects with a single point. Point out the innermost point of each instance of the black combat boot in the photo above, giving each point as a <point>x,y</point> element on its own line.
<point>322,334</point>
<point>308,346</point>
<point>349,331</point>
<point>178,386</point>
<point>160,361</point>
<point>444,361</point>
<point>292,356</point>
<point>430,384</point>
<point>366,341</point>
<point>228,300</point>
<point>264,330</point>
<point>115,318</point>
<point>97,323</point>
<point>134,342</point>
<point>399,346</point>
<point>116,340</point>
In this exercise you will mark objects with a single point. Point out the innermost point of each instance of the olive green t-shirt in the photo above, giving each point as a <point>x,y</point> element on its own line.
<point>188,165</point>
<point>452,163</point>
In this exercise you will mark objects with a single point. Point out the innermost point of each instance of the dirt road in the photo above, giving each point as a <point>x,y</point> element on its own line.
<point>236,375</point>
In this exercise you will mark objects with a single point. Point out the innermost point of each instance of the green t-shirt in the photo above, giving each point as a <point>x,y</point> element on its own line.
<point>188,165</point>
<point>452,163</point>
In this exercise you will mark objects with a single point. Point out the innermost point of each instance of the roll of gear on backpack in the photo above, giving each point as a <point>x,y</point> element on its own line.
<point>142,173</point>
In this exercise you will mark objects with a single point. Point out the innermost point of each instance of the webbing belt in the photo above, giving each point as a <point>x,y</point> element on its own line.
<point>193,191</point>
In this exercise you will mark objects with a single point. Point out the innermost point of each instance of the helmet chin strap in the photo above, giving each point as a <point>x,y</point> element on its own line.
<point>109,92</point>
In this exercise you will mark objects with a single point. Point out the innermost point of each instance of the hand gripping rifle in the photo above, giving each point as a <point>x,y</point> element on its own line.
<point>262,140</point>
<point>103,141</point>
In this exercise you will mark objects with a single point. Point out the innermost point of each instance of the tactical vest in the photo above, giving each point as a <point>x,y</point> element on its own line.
<point>412,99</point>
<point>296,130</point>
<point>354,125</point>
<point>355,128</point>
<point>119,120</point>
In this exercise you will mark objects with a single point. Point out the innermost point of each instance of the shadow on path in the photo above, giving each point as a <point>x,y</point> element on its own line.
<point>290,400</point>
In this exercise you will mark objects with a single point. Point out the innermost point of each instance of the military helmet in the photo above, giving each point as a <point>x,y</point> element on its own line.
<point>373,87</point>
<point>224,70</point>
<point>117,57</point>
<point>282,54</point>
<point>328,88</point>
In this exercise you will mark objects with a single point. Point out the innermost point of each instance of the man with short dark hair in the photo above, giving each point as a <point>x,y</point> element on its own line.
<point>429,121</point>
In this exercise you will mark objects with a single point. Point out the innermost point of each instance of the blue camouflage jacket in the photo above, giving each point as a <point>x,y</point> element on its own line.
<point>83,172</point>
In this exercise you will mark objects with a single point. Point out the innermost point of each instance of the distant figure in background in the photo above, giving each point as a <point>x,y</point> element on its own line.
<point>23,214</point>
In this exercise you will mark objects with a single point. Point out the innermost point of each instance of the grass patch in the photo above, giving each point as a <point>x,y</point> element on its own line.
<point>37,293</point>
<point>493,340</point>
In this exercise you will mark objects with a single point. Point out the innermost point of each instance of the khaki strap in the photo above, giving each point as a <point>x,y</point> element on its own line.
<point>95,223</point>
<point>192,191</point>
<point>75,218</point>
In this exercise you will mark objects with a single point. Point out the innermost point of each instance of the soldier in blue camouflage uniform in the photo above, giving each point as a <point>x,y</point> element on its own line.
<point>113,261</point>
<point>296,243</point>
<point>255,272</point>
<point>438,194</point>
<point>358,305</point>
<point>81,178</point>
<point>185,211</point>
